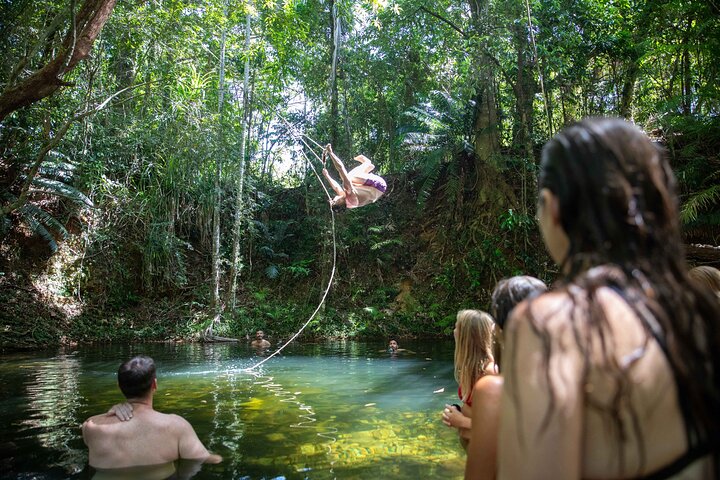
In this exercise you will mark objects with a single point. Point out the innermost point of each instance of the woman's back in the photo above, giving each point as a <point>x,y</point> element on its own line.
<point>617,373</point>
<point>624,421</point>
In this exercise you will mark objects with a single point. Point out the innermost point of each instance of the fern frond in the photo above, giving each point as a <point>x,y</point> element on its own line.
<point>387,243</point>
<point>272,272</point>
<point>699,201</point>
<point>267,251</point>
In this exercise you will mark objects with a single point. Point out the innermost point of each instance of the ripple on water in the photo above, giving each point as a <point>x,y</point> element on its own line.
<point>336,410</point>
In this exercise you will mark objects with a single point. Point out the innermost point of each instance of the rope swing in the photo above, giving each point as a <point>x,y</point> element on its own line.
<point>300,136</point>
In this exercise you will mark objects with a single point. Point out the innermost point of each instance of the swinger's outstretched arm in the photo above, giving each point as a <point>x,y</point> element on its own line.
<point>340,167</point>
<point>335,185</point>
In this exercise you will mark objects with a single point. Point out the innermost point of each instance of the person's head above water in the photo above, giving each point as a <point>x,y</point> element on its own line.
<point>393,345</point>
<point>606,196</point>
<point>259,334</point>
<point>137,377</point>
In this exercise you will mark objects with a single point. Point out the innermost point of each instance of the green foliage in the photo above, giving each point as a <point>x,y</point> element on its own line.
<point>52,182</point>
<point>136,182</point>
<point>300,268</point>
<point>700,201</point>
<point>512,221</point>
<point>440,131</point>
<point>164,262</point>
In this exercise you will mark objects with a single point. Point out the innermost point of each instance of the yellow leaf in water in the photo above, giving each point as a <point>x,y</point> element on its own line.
<point>439,390</point>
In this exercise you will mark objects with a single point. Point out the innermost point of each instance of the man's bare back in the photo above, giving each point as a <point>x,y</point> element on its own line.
<point>133,434</point>
<point>150,438</point>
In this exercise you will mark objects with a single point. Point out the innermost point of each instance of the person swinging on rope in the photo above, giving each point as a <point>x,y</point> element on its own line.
<point>359,186</point>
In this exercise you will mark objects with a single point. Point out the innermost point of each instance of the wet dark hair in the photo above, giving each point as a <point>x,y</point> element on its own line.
<point>619,209</point>
<point>509,292</point>
<point>135,376</point>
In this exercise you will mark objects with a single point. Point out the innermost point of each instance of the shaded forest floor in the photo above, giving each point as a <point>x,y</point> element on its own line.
<point>404,268</point>
<point>401,270</point>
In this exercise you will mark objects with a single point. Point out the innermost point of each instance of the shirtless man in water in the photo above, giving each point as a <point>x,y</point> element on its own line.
<point>151,437</point>
<point>260,341</point>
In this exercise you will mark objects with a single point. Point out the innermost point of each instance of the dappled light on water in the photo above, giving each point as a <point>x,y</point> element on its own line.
<point>331,410</point>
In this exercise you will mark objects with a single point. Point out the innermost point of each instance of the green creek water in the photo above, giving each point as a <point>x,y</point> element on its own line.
<point>341,410</point>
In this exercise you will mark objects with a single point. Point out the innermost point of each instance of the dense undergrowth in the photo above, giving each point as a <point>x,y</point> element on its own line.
<point>400,271</point>
<point>403,266</point>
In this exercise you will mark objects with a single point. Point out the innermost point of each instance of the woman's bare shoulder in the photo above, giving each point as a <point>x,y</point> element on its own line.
<point>549,310</point>
<point>488,384</point>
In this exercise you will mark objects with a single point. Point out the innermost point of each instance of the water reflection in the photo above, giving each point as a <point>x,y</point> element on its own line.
<point>52,410</point>
<point>330,410</point>
<point>178,470</point>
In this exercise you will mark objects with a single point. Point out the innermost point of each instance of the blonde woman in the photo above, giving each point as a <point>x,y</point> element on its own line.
<point>474,338</point>
<point>706,276</point>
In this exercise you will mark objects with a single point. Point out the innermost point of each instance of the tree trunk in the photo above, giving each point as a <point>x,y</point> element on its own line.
<point>686,73</point>
<point>628,89</point>
<point>335,36</point>
<point>216,304</point>
<point>486,140</point>
<point>78,42</point>
<point>234,266</point>
<point>524,91</point>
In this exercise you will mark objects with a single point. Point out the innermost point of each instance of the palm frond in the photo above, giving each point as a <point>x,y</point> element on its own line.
<point>699,201</point>
<point>61,189</point>
<point>437,133</point>
<point>38,221</point>
<point>61,171</point>
<point>272,271</point>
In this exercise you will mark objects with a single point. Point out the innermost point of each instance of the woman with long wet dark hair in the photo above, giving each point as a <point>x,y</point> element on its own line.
<point>615,373</point>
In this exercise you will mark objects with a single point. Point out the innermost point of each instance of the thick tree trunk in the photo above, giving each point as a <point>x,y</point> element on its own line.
<point>486,139</point>
<point>78,42</point>
<point>628,89</point>
<point>486,119</point>
<point>524,92</point>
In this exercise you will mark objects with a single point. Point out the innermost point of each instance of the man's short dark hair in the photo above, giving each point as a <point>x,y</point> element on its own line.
<point>135,377</point>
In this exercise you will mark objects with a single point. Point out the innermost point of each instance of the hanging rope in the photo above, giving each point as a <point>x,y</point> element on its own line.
<point>537,63</point>
<point>332,272</point>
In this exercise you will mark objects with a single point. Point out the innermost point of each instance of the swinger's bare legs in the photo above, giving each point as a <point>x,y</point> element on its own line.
<point>358,176</point>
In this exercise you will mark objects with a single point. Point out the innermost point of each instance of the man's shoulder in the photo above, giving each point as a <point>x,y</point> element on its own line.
<point>171,420</point>
<point>98,421</point>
